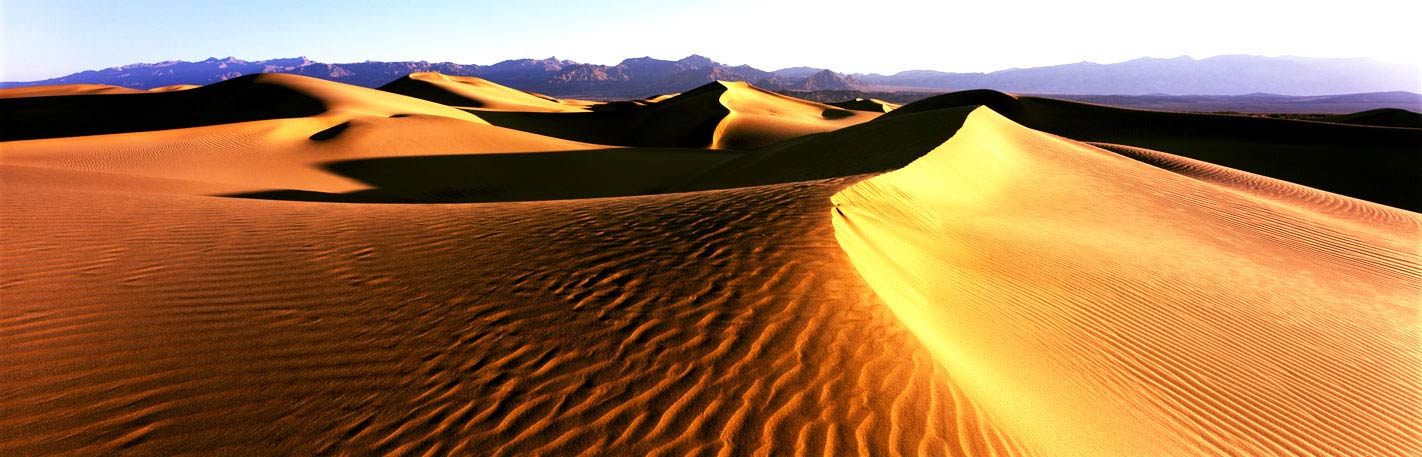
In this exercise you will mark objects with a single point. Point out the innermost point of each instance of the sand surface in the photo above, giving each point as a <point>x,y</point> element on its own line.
<point>1258,318</point>
<point>310,268</point>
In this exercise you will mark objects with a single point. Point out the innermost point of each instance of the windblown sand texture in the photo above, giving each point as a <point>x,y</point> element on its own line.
<point>281,265</point>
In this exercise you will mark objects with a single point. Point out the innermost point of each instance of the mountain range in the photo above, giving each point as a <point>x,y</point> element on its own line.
<point>646,76</point>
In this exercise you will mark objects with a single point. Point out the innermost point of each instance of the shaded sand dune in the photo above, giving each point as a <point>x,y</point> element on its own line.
<point>514,176</point>
<point>1378,165</point>
<point>1382,117</point>
<point>872,147</point>
<point>1101,306</point>
<point>475,93</point>
<point>719,115</point>
<point>1005,292</point>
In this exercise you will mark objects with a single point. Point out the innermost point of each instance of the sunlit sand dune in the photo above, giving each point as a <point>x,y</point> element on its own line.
<point>248,98</point>
<point>269,132</point>
<point>724,322</point>
<point>282,265</point>
<point>273,154</point>
<point>83,89</point>
<point>867,104</point>
<point>1102,306</point>
<point>67,89</point>
<point>1381,165</point>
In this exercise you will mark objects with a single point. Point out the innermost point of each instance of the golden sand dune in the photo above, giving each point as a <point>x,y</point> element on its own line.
<point>872,147</point>
<point>1004,292</point>
<point>273,154</point>
<point>83,89</point>
<point>175,87</point>
<point>66,89</point>
<point>1101,306</point>
<point>718,322</point>
<point>1341,208</point>
<point>1375,164</point>
<point>719,115</point>
<point>475,93</point>
<point>248,98</point>
<point>867,104</point>
<point>255,150</point>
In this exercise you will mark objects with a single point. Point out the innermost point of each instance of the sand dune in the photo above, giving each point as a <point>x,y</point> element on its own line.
<point>872,147</point>
<point>719,322</point>
<point>1382,117</point>
<point>1378,165</point>
<point>867,104</point>
<point>248,98</point>
<point>83,89</point>
<point>744,281</point>
<point>1044,278</point>
<point>273,154</point>
<point>475,93</point>
<point>719,115</point>
<point>283,141</point>
<point>1341,209</point>
<point>66,89</point>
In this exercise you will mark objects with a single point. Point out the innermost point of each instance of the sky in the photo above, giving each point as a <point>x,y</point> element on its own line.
<point>48,38</point>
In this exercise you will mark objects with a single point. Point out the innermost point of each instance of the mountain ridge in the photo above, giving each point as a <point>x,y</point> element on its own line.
<point>647,76</point>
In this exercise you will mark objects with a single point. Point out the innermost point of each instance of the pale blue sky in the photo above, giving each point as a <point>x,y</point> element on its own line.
<point>47,38</point>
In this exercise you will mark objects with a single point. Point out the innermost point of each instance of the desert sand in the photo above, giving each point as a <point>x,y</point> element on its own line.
<point>277,264</point>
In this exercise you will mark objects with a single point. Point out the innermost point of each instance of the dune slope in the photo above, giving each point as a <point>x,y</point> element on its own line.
<point>262,133</point>
<point>1099,305</point>
<point>471,92</point>
<point>867,104</point>
<point>66,89</point>
<point>1382,117</point>
<point>243,99</point>
<point>719,115</point>
<point>717,323</point>
<point>272,154</point>
<point>872,147</point>
<point>1381,165</point>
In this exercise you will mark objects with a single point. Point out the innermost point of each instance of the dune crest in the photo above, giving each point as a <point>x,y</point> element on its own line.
<point>66,89</point>
<point>475,93</point>
<point>872,105</point>
<point>1101,306</point>
<point>758,117</point>
<point>1339,158</point>
<point>718,115</point>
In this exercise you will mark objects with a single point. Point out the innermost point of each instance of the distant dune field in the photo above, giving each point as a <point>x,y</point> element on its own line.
<point>282,265</point>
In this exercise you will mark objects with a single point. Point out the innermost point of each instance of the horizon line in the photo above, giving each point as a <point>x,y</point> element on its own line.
<point>697,54</point>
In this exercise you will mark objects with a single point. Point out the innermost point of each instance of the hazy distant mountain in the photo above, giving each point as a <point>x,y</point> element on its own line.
<point>818,81</point>
<point>644,76</point>
<point>798,72</point>
<point>1221,75</point>
<point>150,75</point>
